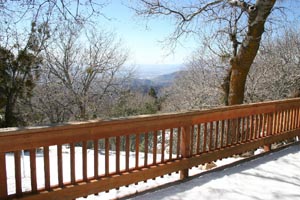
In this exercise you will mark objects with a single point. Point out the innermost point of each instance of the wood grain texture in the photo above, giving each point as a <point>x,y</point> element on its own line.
<point>195,137</point>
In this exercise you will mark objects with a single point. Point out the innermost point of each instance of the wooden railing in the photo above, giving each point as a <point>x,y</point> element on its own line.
<point>143,148</point>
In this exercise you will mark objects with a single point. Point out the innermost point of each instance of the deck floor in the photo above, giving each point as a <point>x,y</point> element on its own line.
<point>272,176</point>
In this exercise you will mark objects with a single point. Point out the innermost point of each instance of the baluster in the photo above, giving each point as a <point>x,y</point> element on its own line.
<point>137,150</point>
<point>106,156</point>
<point>210,136</point>
<point>277,123</point>
<point>261,129</point>
<point>32,153</point>
<point>205,137</point>
<point>255,126</point>
<point>154,146</point>
<point>293,116</point>
<point>47,168</point>
<point>243,130</point>
<point>146,149</point>
<point>3,177</point>
<point>18,177</point>
<point>171,144</point>
<point>198,139</point>
<point>192,140</point>
<point>127,152</point>
<point>228,133</point>
<point>84,161</point>
<point>285,120</point>
<point>178,142</point>
<point>185,148</point>
<point>222,133</point>
<point>163,141</point>
<point>298,118</point>
<point>72,163</point>
<point>96,159</point>
<point>217,135</point>
<point>118,141</point>
<point>60,165</point>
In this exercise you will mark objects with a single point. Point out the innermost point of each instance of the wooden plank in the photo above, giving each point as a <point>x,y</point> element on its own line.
<point>127,145</point>
<point>260,129</point>
<point>33,180</point>
<point>60,166</point>
<point>84,160</point>
<point>205,138</point>
<point>137,150</point>
<point>238,132</point>
<point>277,121</point>
<point>106,156</point>
<point>250,127</point>
<point>211,129</point>
<point>228,135</point>
<point>146,149</point>
<point>255,126</point>
<point>18,176</point>
<point>270,127</point>
<point>72,163</point>
<point>106,184</point>
<point>273,115</point>
<point>286,121</point>
<point>198,139</point>
<point>3,177</point>
<point>298,118</point>
<point>192,140</point>
<point>265,124</point>
<point>96,159</point>
<point>222,133</point>
<point>171,144</point>
<point>185,148</point>
<point>178,142</point>
<point>293,116</point>
<point>163,142</point>
<point>101,129</point>
<point>217,135</point>
<point>247,128</point>
<point>243,130</point>
<point>47,167</point>
<point>154,147</point>
<point>118,143</point>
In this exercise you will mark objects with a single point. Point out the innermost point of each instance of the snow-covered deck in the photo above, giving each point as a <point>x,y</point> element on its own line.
<point>272,176</point>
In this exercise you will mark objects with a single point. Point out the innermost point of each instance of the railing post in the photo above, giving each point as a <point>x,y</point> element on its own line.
<point>3,177</point>
<point>185,148</point>
<point>267,147</point>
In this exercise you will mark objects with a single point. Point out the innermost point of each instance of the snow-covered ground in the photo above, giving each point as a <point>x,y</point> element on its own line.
<point>273,176</point>
<point>112,194</point>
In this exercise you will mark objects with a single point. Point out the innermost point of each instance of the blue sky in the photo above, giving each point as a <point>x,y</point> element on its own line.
<point>143,38</point>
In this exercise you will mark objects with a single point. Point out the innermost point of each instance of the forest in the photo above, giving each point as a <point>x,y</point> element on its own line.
<point>57,65</point>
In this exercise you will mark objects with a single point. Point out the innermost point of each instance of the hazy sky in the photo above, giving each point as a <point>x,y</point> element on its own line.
<point>143,38</point>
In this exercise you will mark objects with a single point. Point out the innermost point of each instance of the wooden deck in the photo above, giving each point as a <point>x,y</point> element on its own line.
<point>191,138</point>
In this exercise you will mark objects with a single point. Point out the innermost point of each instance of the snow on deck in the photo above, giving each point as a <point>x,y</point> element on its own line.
<point>272,176</point>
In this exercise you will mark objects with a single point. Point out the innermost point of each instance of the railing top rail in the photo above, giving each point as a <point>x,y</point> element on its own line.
<point>182,118</point>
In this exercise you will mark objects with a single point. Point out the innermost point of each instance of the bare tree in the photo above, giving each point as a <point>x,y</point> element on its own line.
<point>236,25</point>
<point>198,86</point>
<point>88,65</point>
<point>275,72</point>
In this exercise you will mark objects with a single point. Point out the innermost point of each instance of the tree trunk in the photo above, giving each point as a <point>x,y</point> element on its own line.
<point>9,118</point>
<point>241,63</point>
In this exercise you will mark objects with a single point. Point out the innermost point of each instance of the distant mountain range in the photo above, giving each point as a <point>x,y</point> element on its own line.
<point>158,82</point>
<point>153,71</point>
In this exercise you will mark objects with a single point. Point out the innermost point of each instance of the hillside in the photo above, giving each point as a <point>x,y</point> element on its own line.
<point>158,82</point>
